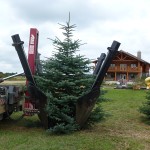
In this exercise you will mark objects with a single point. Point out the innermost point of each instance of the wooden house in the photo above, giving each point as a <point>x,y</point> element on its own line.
<point>126,67</point>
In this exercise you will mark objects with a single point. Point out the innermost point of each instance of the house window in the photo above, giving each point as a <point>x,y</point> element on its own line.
<point>112,65</point>
<point>123,66</point>
<point>132,76</point>
<point>133,65</point>
<point>123,77</point>
<point>112,75</point>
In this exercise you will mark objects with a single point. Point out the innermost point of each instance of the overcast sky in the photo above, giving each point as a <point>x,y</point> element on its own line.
<point>98,22</point>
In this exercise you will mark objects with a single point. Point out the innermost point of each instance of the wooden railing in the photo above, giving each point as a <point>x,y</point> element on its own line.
<point>125,69</point>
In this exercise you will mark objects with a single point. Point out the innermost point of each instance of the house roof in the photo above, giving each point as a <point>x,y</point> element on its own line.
<point>139,59</point>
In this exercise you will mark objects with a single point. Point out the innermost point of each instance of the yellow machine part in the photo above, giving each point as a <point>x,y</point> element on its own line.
<point>147,82</point>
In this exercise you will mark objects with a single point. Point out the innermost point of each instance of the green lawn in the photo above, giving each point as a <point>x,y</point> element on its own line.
<point>124,129</point>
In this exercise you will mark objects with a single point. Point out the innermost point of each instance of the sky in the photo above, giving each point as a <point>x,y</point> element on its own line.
<point>98,24</point>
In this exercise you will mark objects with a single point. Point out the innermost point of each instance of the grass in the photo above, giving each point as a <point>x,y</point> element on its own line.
<point>14,82</point>
<point>124,129</point>
<point>125,122</point>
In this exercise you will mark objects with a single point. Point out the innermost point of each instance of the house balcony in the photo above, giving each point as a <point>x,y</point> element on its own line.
<point>124,69</point>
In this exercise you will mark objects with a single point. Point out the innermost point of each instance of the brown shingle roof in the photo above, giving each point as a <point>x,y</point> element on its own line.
<point>95,61</point>
<point>134,57</point>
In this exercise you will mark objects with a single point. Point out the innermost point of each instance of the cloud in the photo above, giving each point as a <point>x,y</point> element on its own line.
<point>82,12</point>
<point>98,23</point>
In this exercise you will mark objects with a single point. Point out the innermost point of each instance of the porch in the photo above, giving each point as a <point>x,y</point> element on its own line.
<point>121,77</point>
<point>124,69</point>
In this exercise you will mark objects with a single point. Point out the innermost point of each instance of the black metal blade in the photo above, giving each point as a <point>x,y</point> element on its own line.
<point>36,95</point>
<point>18,44</point>
<point>86,103</point>
<point>99,63</point>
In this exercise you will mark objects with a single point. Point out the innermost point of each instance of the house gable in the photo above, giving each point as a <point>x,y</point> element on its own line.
<point>120,56</point>
<point>130,56</point>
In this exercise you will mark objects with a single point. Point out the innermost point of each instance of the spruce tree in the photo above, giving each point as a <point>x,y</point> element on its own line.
<point>65,78</point>
<point>145,109</point>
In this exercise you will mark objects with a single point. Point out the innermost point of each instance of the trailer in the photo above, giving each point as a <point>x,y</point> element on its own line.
<point>11,98</point>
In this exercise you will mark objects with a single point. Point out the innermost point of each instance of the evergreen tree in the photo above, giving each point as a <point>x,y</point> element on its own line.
<point>145,109</point>
<point>65,78</point>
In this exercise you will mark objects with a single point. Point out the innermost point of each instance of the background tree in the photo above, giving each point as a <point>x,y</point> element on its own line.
<point>145,109</point>
<point>65,78</point>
